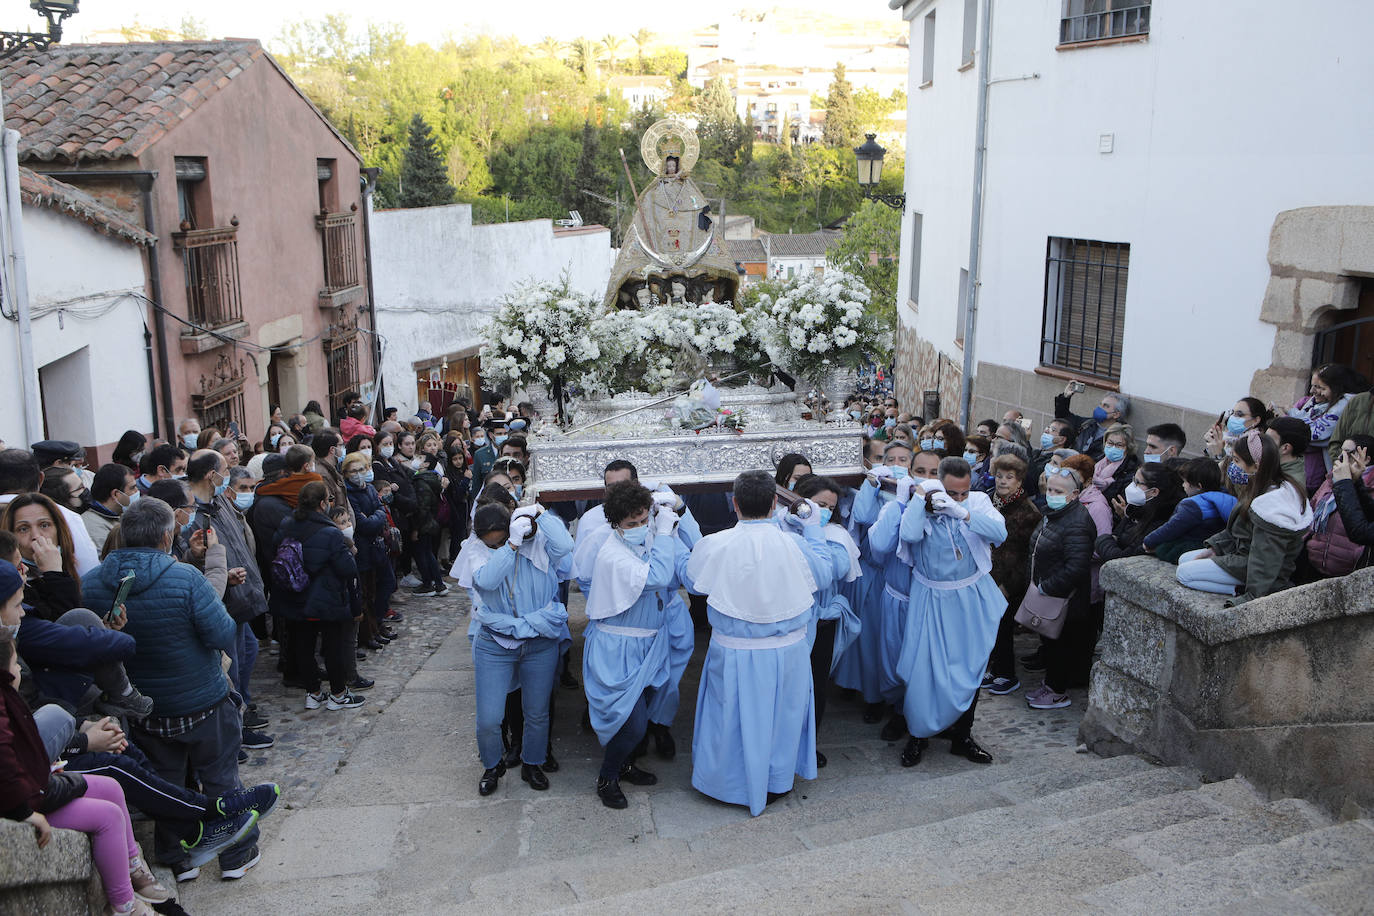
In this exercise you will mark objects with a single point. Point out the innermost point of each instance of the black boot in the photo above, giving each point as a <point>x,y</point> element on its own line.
<point>491,778</point>
<point>969,749</point>
<point>608,790</point>
<point>911,754</point>
<point>820,761</point>
<point>873,713</point>
<point>894,729</point>
<point>550,764</point>
<point>533,775</point>
<point>664,745</point>
<point>637,777</point>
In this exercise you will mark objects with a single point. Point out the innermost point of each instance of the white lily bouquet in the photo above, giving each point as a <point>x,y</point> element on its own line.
<point>814,325</point>
<point>541,332</point>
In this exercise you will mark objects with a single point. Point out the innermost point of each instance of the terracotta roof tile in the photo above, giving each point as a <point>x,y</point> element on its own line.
<point>78,103</point>
<point>40,190</point>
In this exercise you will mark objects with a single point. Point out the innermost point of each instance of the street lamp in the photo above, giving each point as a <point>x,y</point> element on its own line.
<point>869,158</point>
<point>55,11</point>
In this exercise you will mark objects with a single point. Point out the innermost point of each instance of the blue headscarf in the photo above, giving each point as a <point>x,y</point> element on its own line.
<point>10,581</point>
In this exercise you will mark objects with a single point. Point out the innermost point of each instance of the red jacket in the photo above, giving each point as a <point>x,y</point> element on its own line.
<point>23,760</point>
<point>350,427</point>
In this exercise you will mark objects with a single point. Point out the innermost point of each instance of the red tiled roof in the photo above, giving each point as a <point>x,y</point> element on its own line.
<point>41,190</point>
<point>80,103</point>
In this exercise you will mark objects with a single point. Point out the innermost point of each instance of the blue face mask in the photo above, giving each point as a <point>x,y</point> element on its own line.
<point>825,515</point>
<point>1237,474</point>
<point>276,437</point>
<point>219,490</point>
<point>244,501</point>
<point>499,440</point>
<point>791,484</point>
<point>635,536</point>
<point>518,425</point>
<point>1056,501</point>
<point>185,530</point>
<point>898,472</point>
<point>1046,440</point>
<point>135,497</point>
<point>1114,453</point>
<point>1153,459</point>
<point>890,422</point>
<point>1099,414</point>
<point>368,476</point>
<point>190,440</point>
<point>519,491</point>
<point>1235,426</point>
<point>971,457</point>
<point>855,414</point>
<point>927,445</point>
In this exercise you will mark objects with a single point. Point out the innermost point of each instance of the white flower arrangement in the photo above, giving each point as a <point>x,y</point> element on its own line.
<point>539,333</point>
<point>816,324</point>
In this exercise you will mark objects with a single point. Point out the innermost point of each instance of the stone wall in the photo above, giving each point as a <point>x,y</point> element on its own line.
<point>920,367</point>
<point>1274,690</point>
<point>59,880</point>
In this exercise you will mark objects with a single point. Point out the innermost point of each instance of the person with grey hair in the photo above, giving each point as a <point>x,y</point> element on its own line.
<point>761,579</point>
<point>181,628</point>
<point>1110,411</point>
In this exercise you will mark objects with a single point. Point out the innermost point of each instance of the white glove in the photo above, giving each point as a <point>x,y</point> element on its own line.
<point>794,521</point>
<point>667,500</point>
<point>881,470</point>
<point>904,488</point>
<point>520,528</point>
<point>932,485</point>
<point>527,512</point>
<point>814,519</point>
<point>945,504</point>
<point>664,520</point>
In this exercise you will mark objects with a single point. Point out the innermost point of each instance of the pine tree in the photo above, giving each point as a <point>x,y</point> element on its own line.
<point>841,114</point>
<point>424,177</point>
<point>590,176</point>
<point>718,125</point>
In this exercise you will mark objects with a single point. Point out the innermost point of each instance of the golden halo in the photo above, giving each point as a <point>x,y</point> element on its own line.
<point>660,135</point>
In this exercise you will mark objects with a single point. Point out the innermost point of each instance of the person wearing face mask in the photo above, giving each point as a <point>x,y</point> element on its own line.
<point>166,462</point>
<point>976,453</point>
<point>1249,413</point>
<point>64,486</point>
<point>429,491</point>
<point>188,433</point>
<point>245,598</point>
<point>1057,434</point>
<point>1116,468</point>
<point>1257,552</point>
<point>1110,411</point>
<point>1010,566</point>
<point>394,478</point>
<point>1061,551</point>
<point>112,491</point>
<point>374,565</point>
<point>1149,502</point>
<point>484,453</point>
<point>1333,387</point>
<point>627,653</point>
<point>272,438</point>
<point>947,534</point>
<point>329,451</point>
<point>1163,442</point>
<point>1201,513</point>
<point>791,468</point>
<point>129,450</point>
<point>513,567</point>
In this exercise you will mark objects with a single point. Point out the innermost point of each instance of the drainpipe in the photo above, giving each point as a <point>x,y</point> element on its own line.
<point>370,186</point>
<point>975,241</point>
<point>19,279</point>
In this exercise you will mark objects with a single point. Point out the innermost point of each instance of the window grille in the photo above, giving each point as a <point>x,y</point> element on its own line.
<point>1085,306</point>
<point>1094,20</point>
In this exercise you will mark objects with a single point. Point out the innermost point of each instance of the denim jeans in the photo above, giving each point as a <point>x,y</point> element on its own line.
<point>56,728</point>
<point>496,669</point>
<point>244,657</point>
<point>426,564</point>
<point>210,753</point>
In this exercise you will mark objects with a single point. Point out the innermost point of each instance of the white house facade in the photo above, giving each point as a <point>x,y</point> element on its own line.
<point>439,279</point>
<point>1178,202</point>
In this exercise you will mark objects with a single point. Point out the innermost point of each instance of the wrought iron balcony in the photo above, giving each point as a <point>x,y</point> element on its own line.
<point>340,239</point>
<point>211,260</point>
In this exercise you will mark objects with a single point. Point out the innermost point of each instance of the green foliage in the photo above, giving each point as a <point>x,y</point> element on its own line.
<point>874,111</point>
<point>841,114</point>
<point>718,126</point>
<point>424,177</point>
<point>869,250</point>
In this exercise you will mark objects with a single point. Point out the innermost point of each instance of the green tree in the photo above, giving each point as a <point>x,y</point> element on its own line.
<point>841,116</point>
<point>641,39</point>
<point>612,45</point>
<point>870,249</point>
<point>590,176</point>
<point>424,176</point>
<point>718,126</point>
<point>551,46</point>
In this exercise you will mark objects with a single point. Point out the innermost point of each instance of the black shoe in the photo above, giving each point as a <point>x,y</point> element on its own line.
<point>873,713</point>
<point>375,644</point>
<point>243,756</point>
<point>608,790</point>
<point>911,754</point>
<point>387,633</point>
<point>491,779</point>
<point>970,750</point>
<point>533,775</point>
<point>664,745</point>
<point>512,758</point>
<point>637,777</point>
<point>567,680</point>
<point>774,796</point>
<point>550,764</point>
<point>383,638</point>
<point>254,720</point>
<point>256,740</point>
<point>894,729</point>
<point>1035,661</point>
<point>361,683</point>
<point>820,761</point>
<point>360,654</point>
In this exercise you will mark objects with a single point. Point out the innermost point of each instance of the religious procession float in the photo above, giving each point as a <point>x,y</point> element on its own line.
<point>674,369</point>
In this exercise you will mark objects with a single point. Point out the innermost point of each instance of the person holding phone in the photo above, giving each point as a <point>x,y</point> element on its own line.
<point>1352,479</point>
<point>1110,410</point>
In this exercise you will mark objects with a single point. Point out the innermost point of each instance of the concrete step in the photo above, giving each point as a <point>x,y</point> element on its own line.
<point>1224,833</point>
<point>883,864</point>
<point>1250,876</point>
<point>867,806</point>
<point>1349,893</point>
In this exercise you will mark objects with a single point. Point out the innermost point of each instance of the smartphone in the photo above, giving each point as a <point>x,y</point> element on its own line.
<point>126,584</point>
<point>1078,386</point>
<point>233,432</point>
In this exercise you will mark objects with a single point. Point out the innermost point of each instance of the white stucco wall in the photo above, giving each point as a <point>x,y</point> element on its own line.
<point>1221,120</point>
<point>93,368</point>
<point>438,278</point>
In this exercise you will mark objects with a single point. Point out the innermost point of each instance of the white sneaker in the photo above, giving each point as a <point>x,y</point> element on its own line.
<point>410,580</point>
<point>313,700</point>
<point>233,874</point>
<point>347,700</point>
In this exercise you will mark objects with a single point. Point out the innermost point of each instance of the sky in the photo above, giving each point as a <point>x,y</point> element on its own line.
<point>430,20</point>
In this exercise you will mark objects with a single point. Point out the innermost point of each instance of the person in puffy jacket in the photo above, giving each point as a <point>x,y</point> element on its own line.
<point>1061,553</point>
<point>374,565</point>
<point>323,609</point>
<point>1200,514</point>
<point>1149,502</point>
<point>1353,479</point>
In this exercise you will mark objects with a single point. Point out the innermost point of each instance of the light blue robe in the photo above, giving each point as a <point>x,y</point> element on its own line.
<point>892,591</point>
<point>858,668</point>
<point>533,589</point>
<point>755,728</point>
<point>949,632</point>
<point>617,669</point>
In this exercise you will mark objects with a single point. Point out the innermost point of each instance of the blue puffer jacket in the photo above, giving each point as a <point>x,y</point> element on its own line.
<point>61,657</point>
<point>178,623</point>
<point>330,565</point>
<point>369,520</point>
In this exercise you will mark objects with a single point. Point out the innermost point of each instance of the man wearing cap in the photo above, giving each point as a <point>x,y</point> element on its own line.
<point>62,453</point>
<point>484,455</point>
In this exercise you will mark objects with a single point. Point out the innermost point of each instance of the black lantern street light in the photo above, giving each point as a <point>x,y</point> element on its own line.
<point>870,161</point>
<point>55,11</point>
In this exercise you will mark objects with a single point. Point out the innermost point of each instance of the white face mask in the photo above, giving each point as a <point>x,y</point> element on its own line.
<point>347,532</point>
<point>1136,495</point>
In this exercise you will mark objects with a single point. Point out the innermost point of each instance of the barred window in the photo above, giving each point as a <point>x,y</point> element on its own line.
<point>1094,20</point>
<point>341,364</point>
<point>1085,306</point>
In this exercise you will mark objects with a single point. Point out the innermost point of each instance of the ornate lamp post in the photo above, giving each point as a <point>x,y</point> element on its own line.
<point>869,157</point>
<point>55,11</point>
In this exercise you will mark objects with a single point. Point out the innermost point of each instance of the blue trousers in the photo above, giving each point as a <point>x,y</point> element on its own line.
<point>245,656</point>
<point>498,671</point>
<point>621,747</point>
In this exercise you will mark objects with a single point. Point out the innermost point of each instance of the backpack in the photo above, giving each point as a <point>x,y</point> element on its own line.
<point>288,566</point>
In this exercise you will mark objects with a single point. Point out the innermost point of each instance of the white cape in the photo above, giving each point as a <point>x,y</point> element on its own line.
<point>618,576</point>
<point>752,572</point>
